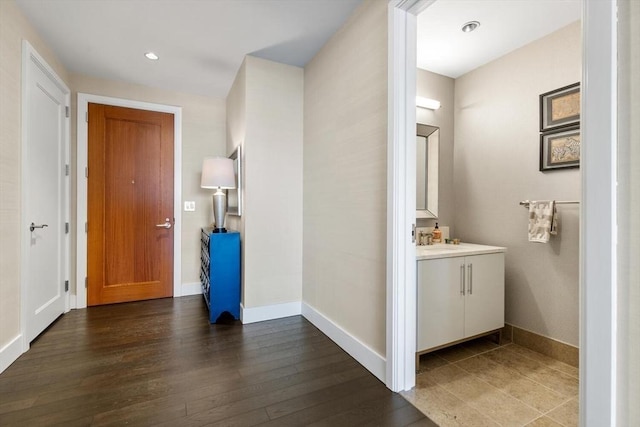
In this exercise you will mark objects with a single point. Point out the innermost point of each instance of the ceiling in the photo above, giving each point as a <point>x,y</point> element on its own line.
<point>505,25</point>
<point>201,43</point>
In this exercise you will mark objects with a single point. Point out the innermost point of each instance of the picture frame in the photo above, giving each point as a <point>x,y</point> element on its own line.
<point>560,149</point>
<point>234,195</point>
<point>560,108</point>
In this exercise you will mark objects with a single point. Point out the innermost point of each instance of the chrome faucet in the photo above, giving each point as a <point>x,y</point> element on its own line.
<point>428,241</point>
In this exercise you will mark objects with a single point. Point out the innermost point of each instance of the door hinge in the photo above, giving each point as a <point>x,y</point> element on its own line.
<point>86,117</point>
<point>66,286</point>
<point>66,228</point>
<point>413,233</point>
<point>66,170</point>
<point>86,227</point>
<point>66,111</point>
<point>86,172</point>
<point>86,282</point>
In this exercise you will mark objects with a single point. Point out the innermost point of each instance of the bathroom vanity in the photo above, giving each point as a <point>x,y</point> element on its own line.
<point>460,293</point>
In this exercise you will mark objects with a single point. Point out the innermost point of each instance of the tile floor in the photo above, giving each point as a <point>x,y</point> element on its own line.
<point>480,383</point>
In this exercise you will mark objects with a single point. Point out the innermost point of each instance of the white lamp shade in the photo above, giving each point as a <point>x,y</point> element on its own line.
<point>217,172</point>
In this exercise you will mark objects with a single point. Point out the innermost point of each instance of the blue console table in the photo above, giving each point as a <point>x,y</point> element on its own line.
<point>220,272</point>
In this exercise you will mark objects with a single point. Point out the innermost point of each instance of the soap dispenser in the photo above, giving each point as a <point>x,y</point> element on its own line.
<point>437,234</point>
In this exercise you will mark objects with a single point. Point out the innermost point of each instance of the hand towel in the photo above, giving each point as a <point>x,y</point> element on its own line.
<point>543,220</point>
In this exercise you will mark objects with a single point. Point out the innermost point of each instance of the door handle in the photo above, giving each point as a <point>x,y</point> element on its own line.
<point>470,279</point>
<point>167,224</point>
<point>33,226</point>
<point>462,280</point>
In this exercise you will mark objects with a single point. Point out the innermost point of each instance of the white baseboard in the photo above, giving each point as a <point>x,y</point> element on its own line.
<point>367,357</point>
<point>193,288</point>
<point>269,312</point>
<point>10,352</point>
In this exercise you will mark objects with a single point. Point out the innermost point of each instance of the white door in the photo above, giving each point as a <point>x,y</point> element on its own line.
<point>45,192</point>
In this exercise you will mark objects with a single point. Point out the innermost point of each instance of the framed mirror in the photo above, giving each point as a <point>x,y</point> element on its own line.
<point>234,195</point>
<point>427,155</point>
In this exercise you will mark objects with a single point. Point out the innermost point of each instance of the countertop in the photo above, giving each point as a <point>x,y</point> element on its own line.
<point>443,250</point>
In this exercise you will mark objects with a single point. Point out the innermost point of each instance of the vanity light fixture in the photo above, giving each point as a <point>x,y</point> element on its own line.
<point>152,56</point>
<point>431,104</point>
<point>470,26</point>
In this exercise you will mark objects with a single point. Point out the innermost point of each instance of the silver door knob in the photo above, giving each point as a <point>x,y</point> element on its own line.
<point>167,224</point>
<point>33,226</point>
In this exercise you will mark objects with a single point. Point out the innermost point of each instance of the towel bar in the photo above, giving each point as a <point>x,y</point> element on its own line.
<point>526,203</point>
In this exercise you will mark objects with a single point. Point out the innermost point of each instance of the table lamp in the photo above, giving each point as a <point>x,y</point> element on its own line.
<point>217,172</point>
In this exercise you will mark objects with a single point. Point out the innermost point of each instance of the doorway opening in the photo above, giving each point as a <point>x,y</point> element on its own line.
<point>488,82</point>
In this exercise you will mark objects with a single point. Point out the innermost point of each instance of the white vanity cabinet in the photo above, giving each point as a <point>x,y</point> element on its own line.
<point>459,297</point>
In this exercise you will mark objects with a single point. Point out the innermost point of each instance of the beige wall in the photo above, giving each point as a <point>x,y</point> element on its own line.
<point>345,175</point>
<point>273,159</point>
<point>496,158</point>
<point>13,29</point>
<point>265,116</point>
<point>441,88</point>
<point>203,134</point>
<point>628,375</point>
<point>236,132</point>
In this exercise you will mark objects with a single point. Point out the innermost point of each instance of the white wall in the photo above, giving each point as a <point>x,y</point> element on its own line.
<point>496,160</point>
<point>628,374</point>
<point>265,116</point>
<point>345,174</point>
<point>441,88</point>
<point>13,29</point>
<point>203,134</point>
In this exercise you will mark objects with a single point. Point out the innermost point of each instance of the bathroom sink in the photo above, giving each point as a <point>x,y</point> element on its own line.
<point>443,250</point>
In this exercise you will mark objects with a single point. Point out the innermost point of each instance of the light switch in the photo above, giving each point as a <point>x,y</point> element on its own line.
<point>190,206</point>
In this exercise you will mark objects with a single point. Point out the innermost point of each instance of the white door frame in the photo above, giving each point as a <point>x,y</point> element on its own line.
<point>598,208</point>
<point>401,213</point>
<point>30,58</point>
<point>80,300</point>
<point>598,215</point>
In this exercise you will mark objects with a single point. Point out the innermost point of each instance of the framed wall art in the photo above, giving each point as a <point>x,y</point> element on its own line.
<point>234,195</point>
<point>560,108</point>
<point>560,149</point>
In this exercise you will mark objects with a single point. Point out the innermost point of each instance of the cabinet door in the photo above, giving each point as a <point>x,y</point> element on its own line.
<point>484,304</point>
<point>440,302</point>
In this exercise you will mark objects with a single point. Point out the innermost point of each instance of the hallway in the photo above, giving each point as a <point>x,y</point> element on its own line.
<point>160,362</point>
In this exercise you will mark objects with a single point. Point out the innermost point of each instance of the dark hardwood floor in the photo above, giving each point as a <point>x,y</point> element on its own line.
<point>160,363</point>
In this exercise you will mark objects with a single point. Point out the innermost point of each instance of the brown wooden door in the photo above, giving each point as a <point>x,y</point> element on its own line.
<point>130,193</point>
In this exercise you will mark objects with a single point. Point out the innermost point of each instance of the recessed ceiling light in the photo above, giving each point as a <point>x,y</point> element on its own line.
<point>470,26</point>
<point>152,56</point>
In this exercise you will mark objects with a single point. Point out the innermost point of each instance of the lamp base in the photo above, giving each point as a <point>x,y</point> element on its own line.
<point>219,210</point>
<point>219,230</point>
